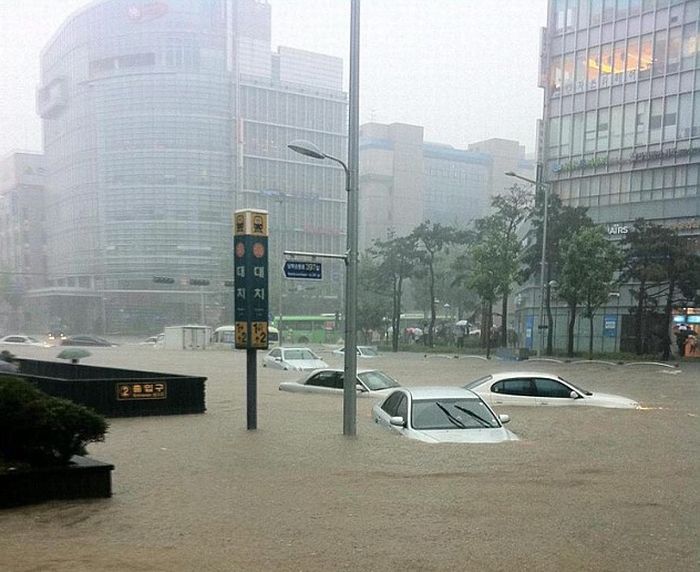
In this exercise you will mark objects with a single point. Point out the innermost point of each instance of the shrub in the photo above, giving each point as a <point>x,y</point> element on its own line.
<point>43,430</point>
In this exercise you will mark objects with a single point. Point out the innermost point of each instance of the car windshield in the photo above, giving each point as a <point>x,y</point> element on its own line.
<point>477,382</point>
<point>299,354</point>
<point>438,414</point>
<point>368,351</point>
<point>33,340</point>
<point>375,380</point>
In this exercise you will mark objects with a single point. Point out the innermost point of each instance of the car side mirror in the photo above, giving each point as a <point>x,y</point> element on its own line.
<point>360,388</point>
<point>504,419</point>
<point>397,421</point>
<point>573,395</point>
<point>278,359</point>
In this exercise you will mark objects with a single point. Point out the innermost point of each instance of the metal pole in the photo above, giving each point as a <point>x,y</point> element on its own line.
<point>543,264</point>
<point>251,377</point>
<point>350,364</point>
<point>203,307</point>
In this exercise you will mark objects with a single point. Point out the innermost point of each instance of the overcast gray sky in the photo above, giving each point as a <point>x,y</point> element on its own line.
<point>464,69</point>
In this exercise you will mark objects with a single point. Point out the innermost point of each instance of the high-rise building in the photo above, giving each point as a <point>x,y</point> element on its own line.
<point>405,180</point>
<point>22,241</point>
<point>621,124</point>
<point>620,132</point>
<point>159,119</point>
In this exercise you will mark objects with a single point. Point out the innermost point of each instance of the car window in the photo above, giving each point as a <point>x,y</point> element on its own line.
<point>337,381</point>
<point>323,379</point>
<point>402,407</point>
<point>368,352</point>
<point>551,388</point>
<point>391,403</point>
<point>14,339</point>
<point>299,354</point>
<point>514,387</point>
<point>275,353</point>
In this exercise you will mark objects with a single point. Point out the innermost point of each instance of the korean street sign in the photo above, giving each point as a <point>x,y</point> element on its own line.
<point>251,293</point>
<point>142,390</point>
<point>299,269</point>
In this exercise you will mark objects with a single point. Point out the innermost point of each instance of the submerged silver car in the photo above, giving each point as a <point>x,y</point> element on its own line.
<point>441,415</point>
<point>294,359</point>
<point>370,383</point>
<point>538,388</point>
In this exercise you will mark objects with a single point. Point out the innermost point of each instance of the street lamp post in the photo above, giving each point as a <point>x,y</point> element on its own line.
<point>543,259</point>
<point>350,354</point>
<point>351,256</point>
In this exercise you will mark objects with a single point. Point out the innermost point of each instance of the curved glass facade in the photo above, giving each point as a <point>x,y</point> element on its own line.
<point>136,102</point>
<point>162,116</point>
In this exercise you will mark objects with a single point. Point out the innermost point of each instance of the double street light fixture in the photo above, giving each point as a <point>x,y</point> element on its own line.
<point>543,260</point>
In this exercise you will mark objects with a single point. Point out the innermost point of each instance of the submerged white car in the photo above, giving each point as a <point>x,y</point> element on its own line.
<point>441,415</point>
<point>536,388</point>
<point>295,359</point>
<point>362,352</point>
<point>20,340</point>
<point>370,383</point>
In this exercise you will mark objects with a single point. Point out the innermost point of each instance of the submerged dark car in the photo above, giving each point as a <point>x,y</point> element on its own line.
<point>86,341</point>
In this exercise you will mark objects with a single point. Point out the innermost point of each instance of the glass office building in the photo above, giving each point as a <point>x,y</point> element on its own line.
<point>160,118</point>
<point>620,133</point>
<point>621,130</point>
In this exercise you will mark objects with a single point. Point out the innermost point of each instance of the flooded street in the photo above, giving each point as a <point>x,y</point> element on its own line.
<point>584,489</point>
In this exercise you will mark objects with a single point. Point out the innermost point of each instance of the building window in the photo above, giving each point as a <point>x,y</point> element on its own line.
<point>655,121</point>
<point>603,129</point>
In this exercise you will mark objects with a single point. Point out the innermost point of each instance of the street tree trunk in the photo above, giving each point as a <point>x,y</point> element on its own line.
<point>570,330</point>
<point>668,311</point>
<point>504,320</point>
<point>590,335</point>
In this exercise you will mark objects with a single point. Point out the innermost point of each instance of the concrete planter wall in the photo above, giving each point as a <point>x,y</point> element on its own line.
<point>117,392</point>
<point>82,478</point>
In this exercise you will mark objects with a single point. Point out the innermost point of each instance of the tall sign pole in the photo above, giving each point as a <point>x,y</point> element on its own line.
<point>350,364</point>
<point>250,263</point>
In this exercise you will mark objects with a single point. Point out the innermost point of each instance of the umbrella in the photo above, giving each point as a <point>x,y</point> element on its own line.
<point>74,354</point>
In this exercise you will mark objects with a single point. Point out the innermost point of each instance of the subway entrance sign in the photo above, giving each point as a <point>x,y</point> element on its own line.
<point>250,262</point>
<point>299,269</point>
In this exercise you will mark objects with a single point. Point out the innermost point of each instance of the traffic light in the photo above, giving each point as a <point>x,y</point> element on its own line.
<point>163,280</point>
<point>199,282</point>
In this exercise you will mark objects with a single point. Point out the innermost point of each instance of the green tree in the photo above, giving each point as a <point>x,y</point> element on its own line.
<point>589,264</point>
<point>668,273</point>
<point>483,269</point>
<point>397,263</point>
<point>373,302</point>
<point>562,222</point>
<point>431,240</point>
<point>511,209</point>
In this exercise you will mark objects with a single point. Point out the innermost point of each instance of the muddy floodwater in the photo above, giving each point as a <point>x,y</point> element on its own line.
<point>584,488</point>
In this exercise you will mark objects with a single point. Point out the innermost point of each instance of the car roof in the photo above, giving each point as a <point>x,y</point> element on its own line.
<point>440,392</point>
<point>508,374</point>
<point>341,370</point>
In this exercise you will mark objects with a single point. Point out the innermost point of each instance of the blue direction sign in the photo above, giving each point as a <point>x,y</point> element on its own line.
<point>298,269</point>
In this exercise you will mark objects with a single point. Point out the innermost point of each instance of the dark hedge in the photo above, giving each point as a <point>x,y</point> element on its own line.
<point>43,430</point>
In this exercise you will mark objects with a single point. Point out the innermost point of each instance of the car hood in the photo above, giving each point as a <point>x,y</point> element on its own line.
<point>496,435</point>
<point>610,400</point>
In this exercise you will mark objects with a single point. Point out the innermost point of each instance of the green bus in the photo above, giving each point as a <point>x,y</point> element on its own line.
<point>318,329</point>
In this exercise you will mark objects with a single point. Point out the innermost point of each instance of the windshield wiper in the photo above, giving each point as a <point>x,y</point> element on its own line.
<point>475,416</point>
<point>456,422</point>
